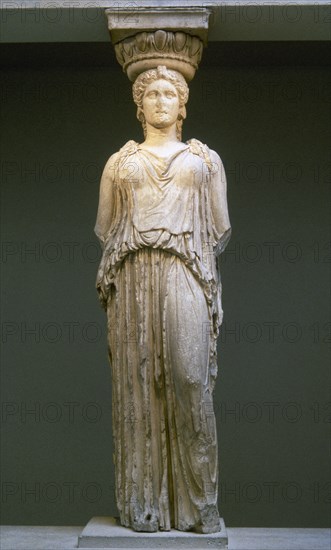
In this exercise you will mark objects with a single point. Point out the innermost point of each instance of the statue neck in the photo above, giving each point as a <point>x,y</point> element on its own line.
<point>160,137</point>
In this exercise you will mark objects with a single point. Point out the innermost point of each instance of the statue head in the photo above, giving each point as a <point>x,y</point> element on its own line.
<point>161,73</point>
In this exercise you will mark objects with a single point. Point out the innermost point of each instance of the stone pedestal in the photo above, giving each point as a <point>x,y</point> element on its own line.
<point>106,532</point>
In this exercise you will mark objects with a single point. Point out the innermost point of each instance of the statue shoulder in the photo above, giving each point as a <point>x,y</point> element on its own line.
<point>215,157</point>
<point>117,159</point>
<point>196,146</point>
<point>129,148</point>
<point>208,155</point>
<point>202,150</point>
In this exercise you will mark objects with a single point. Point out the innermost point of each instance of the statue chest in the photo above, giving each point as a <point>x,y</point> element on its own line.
<point>163,194</point>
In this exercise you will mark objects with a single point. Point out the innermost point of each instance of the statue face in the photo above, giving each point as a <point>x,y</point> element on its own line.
<point>161,104</point>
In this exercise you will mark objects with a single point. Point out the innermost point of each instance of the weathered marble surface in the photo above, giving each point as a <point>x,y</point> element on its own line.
<point>162,221</point>
<point>105,532</point>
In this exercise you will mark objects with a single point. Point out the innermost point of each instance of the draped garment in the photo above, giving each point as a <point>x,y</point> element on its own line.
<point>162,222</point>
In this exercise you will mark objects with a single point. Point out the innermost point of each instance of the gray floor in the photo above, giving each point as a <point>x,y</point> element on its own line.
<point>65,538</point>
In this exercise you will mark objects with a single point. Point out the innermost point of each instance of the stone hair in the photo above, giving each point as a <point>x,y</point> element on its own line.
<point>175,78</point>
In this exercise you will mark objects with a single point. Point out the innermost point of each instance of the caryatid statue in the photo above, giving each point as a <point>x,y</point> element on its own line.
<point>162,222</point>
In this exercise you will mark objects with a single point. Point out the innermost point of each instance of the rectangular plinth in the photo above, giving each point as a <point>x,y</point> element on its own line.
<point>106,532</point>
<point>129,20</point>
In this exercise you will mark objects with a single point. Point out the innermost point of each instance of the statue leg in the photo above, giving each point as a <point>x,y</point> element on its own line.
<point>190,415</point>
<point>139,426</point>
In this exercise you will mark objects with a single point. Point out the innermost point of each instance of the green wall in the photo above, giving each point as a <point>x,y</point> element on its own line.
<point>269,125</point>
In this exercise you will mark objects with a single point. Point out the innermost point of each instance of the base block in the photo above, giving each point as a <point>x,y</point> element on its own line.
<point>106,532</point>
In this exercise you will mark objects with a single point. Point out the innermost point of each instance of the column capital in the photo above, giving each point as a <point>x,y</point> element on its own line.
<point>173,36</point>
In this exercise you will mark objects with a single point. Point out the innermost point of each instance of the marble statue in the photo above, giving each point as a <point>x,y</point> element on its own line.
<point>162,222</point>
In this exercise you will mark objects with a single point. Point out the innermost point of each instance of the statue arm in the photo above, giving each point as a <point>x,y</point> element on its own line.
<point>219,205</point>
<point>105,209</point>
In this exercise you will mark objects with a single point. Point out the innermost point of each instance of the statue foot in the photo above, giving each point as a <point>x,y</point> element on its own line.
<point>210,521</point>
<point>147,523</point>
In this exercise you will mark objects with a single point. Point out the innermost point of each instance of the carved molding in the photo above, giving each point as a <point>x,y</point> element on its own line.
<point>176,50</point>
